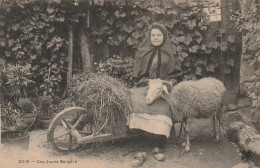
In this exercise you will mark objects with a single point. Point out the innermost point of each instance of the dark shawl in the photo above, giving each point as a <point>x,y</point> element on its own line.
<point>146,52</point>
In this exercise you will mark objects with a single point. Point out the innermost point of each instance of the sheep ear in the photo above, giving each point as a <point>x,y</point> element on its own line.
<point>168,84</point>
<point>165,89</point>
<point>174,82</point>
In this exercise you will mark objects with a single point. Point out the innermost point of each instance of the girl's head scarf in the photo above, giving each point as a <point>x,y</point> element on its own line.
<point>146,50</point>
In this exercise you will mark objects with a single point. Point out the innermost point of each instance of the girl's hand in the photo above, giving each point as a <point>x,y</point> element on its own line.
<point>174,82</point>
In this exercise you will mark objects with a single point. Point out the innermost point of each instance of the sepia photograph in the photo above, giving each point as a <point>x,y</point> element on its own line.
<point>130,83</point>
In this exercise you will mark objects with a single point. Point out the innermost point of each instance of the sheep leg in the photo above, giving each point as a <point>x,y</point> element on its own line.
<point>187,128</point>
<point>180,129</point>
<point>218,131</point>
<point>219,121</point>
<point>214,125</point>
<point>183,121</point>
<point>184,143</point>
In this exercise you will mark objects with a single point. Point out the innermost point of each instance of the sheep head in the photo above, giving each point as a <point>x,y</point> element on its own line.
<point>157,88</point>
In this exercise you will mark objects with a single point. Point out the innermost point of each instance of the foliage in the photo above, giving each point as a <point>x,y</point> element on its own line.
<point>75,81</point>
<point>51,81</point>
<point>18,79</point>
<point>35,33</point>
<point>61,105</point>
<point>9,115</point>
<point>248,23</point>
<point>126,24</point>
<point>120,68</point>
<point>45,105</point>
<point>32,34</point>
<point>26,105</point>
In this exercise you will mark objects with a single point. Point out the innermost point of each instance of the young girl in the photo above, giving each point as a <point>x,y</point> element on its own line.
<point>154,59</point>
<point>155,56</point>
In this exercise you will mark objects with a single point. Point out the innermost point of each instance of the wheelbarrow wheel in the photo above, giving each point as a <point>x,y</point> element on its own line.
<point>59,132</point>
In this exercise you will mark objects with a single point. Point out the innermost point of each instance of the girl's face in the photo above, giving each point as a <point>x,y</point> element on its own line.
<point>156,37</point>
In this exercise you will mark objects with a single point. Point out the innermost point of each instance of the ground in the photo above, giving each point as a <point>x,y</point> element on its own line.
<point>205,153</point>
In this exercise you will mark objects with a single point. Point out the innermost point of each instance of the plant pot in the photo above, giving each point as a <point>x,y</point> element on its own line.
<point>44,123</point>
<point>25,120</point>
<point>53,115</point>
<point>16,138</point>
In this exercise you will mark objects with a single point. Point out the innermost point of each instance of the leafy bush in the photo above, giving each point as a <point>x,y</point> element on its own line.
<point>26,105</point>
<point>117,67</point>
<point>18,79</point>
<point>45,105</point>
<point>51,80</point>
<point>9,114</point>
<point>76,80</point>
<point>65,103</point>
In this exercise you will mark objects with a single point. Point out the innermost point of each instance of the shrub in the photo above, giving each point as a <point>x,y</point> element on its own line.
<point>18,79</point>
<point>45,105</point>
<point>8,117</point>
<point>63,104</point>
<point>117,67</point>
<point>75,81</point>
<point>26,105</point>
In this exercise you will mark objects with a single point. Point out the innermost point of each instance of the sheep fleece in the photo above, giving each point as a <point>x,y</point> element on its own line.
<point>197,98</point>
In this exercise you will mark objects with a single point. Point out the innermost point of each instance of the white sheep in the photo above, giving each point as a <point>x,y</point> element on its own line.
<point>190,99</point>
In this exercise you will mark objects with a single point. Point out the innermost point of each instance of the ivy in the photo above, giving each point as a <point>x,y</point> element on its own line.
<point>117,67</point>
<point>248,23</point>
<point>33,37</point>
<point>35,33</point>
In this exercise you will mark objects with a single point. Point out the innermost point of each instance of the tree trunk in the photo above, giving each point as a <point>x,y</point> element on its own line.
<point>84,47</point>
<point>247,139</point>
<point>70,55</point>
<point>231,80</point>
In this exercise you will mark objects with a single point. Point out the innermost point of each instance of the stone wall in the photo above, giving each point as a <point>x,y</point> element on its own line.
<point>249,92</point>
<point>248,98</point>
<point>247,108</point>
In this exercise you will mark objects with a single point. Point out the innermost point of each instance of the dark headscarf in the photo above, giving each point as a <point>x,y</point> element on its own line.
<point>146,51</point>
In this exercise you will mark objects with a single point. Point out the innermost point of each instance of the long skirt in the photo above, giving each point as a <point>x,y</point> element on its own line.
<point>154,118</point>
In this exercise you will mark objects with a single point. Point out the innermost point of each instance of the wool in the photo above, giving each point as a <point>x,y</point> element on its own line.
<point>198,99</point>
<point>190,99</point>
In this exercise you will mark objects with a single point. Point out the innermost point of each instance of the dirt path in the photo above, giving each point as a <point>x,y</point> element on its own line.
<point>205,153</point>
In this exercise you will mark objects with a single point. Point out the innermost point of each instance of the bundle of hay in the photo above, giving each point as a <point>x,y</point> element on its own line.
<point>105,97</point>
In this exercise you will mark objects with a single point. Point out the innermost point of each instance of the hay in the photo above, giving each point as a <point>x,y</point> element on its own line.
<point>104,96</point>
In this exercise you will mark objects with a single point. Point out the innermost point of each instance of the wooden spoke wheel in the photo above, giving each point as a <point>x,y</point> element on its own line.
<point>60,132</point>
